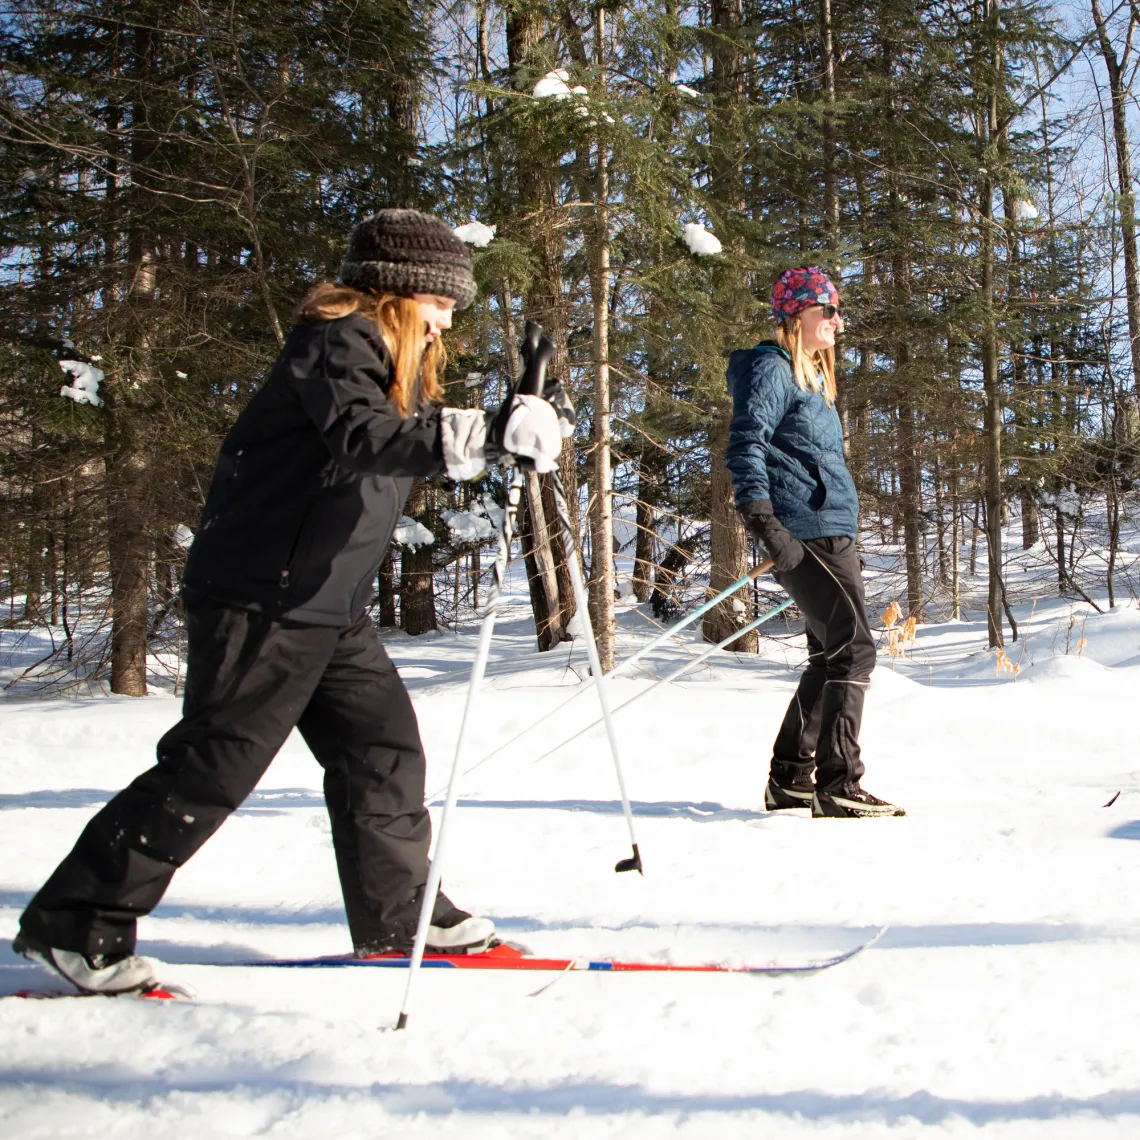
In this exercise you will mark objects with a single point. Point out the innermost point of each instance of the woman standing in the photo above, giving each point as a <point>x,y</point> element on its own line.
<point>308,489</point>
<point>797,498</point>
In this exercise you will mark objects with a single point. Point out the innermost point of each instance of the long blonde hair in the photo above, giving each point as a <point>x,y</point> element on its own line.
<point>806,366</point>
<point>415,372</point>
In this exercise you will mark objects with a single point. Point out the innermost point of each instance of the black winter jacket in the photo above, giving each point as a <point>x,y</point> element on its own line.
<point>311,480</point>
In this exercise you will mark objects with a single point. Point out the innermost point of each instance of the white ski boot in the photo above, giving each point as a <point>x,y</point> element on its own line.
<point>91,973</point>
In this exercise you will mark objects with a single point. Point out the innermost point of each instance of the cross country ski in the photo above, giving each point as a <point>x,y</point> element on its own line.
<point>506,956</point>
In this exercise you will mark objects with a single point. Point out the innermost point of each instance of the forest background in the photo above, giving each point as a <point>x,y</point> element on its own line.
<point>173,178</point>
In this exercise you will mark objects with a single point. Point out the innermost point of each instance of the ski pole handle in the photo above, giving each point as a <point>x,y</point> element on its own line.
<point>537,353</point>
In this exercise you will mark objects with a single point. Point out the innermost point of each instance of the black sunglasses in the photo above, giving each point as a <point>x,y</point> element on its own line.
<point>830,311</point>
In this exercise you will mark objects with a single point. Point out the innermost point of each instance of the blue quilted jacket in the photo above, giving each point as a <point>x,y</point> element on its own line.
<point>786,445</point>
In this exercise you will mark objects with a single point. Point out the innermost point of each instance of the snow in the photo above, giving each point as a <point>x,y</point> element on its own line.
<point>683,90</point>
<point>466,526</point>
<point>1024,210</point>
<point>85,387</point>
<point>1001,1000</point>
<point>553,85</point>
<point>411,533</point>
<point>476,233</point>
<point>1067,501</point>
<point>183,536</point>
<point>700,241</point>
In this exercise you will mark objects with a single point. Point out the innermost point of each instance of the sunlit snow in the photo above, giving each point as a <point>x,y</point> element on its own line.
<point>476,233</point>
<point>700,241</point>
<point>411,533</point>
<point>84,389</point>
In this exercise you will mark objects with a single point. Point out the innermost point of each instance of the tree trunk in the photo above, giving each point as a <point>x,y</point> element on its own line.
<point>386,594</point>
<point>539,202</point>
<point>127,465</point>
<point>1126,197</point>
<point>417,578</point>
<point>910,493</point>
<point>129,548</point>
<point>991,378</point>
<point>540,575</point>
<point>601,503</point>
<point>728,541</point>
<point>645,545</point>
<point>730,548</point>
<point>549,623</point>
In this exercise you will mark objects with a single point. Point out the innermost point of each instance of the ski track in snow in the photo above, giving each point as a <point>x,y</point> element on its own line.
<point>1003,999</point>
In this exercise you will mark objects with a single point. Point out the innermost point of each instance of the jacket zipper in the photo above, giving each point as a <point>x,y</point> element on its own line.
<point>284,580</point>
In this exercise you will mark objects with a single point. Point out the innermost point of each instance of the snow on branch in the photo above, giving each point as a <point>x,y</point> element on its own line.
<point>468,527</point>
<point>700,241</point>
<point>412,534</point>
<point>84,389</point>
<point>476,234</point>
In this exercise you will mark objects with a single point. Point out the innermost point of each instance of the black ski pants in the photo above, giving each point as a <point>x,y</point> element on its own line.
<point>250,680</point>
<point>821,727</point>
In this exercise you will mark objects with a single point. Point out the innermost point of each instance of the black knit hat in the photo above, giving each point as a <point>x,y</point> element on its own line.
<point>406,252</point>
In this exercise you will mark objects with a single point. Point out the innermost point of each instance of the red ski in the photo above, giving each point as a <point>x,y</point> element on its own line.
<point>505,956</point>
<point>158,993</point>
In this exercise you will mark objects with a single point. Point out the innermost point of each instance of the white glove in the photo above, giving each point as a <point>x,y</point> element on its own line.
<point>532,432</point>
<point>463,434</point>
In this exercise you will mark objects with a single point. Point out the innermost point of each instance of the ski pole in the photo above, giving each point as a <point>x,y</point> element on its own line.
<point>624,665</point>
<point>529,384</point>
<point>633,863</point>
<point>680,671</point>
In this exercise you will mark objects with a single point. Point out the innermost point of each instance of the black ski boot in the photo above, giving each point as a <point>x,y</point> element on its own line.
<point>856,804</point>
<point>797,794</point>
<point>452,931</point>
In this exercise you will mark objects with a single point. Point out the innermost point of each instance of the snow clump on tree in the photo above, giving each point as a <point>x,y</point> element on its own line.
<point>700,241</point>
<point>554,85</point>
<point>467,527</point>
<point>85,388</point>
<point>412,534</point>
<point>476,234</point>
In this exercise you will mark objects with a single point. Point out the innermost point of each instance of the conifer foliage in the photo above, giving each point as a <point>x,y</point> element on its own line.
<point>173,177</point>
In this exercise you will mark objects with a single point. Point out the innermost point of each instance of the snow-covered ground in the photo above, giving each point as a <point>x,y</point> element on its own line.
<point>1004,998</point>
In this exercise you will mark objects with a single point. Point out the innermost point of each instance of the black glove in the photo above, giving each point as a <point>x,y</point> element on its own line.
<point>785,550</point>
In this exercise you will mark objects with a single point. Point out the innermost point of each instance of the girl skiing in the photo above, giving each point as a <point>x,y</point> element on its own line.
<point>309,486</point>
<point>797,498</point>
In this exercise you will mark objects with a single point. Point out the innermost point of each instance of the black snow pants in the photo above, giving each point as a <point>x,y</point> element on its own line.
<point>250,680</point>
<point>821,727</point>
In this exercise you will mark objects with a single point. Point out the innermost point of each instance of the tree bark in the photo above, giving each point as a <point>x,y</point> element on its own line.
<point>991,378</point>
<point>127,464</point>
<point>1126,197</point>
<point>645,545</point>
<point>601,503</point>
<point>417,577</point>
<point>728,542</point>
<point>386,594</point>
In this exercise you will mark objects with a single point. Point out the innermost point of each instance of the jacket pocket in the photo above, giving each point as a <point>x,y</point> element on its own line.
<point>298,551</point>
